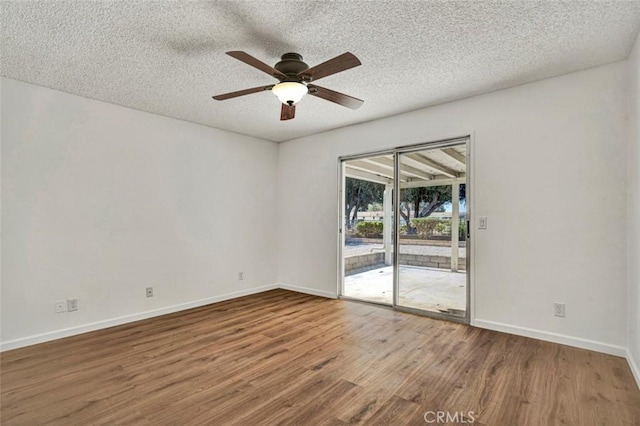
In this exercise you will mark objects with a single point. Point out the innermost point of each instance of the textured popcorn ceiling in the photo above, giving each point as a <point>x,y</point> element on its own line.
<point>167,57</point>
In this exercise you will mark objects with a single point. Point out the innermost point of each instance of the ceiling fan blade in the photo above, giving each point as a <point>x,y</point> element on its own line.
<point>333,96</point>
<point>287,112</point>
<point>332,66</point>
<point>242,92</point>
<point>256,63</point>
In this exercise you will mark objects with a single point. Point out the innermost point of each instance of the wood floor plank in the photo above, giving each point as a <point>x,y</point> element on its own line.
<point>281,357</point>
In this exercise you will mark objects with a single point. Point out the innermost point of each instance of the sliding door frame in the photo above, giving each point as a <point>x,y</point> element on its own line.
<point>396,152</point>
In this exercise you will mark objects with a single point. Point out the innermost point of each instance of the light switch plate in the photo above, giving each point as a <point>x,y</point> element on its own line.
<point>72,305</point>
<point>482,222</point>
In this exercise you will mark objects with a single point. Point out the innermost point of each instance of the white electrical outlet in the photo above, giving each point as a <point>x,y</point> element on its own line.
<point>149,291</point>
<point>72,305</point>
<point>558,309</point>
<point>60,306</point>
<point>241,276</point>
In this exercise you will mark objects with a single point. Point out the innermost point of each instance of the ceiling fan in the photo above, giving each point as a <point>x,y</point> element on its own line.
<point>295,80</point>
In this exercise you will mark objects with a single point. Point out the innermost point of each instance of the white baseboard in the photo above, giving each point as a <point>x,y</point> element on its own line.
<point>307,290</point>
<point>85,328</point>
<point>520,331</point>
<point>552,337</point>
<point>635,367</point>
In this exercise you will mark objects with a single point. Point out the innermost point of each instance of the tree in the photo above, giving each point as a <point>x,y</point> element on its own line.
<point>358,195</point>
<point>425,200</point>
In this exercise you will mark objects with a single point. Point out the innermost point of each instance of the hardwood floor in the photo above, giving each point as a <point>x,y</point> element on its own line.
<point>286,358</point>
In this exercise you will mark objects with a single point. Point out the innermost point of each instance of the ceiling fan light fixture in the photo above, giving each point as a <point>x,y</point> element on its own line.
<point>289,92</point>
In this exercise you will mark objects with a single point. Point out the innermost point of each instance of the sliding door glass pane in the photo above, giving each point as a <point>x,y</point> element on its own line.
<point>368,229</point>
<point>432,238</point>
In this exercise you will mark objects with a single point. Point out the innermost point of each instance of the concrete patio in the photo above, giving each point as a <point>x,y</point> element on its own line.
<point>429,289</point>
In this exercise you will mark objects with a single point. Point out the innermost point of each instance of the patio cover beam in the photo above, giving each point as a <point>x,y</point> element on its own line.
<point>365,166</point>
<point>436,182</point>
<point>369,177</point>
<point>455,155</point>
<point>407,171</point>
<point>420,161</point>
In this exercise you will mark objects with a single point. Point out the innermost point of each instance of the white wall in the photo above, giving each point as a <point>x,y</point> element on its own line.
<point>549,171</point>
<point>634,210</point>
<point>101,201</point>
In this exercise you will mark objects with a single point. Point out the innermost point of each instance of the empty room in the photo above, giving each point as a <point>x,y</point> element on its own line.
<point>320,212</point>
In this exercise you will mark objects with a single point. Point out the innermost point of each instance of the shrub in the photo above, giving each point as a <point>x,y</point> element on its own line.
<point>428,226</point>
<point>462,230</point>
<point>442,226</point>
<point>369,229</point>
<point>425,225</point>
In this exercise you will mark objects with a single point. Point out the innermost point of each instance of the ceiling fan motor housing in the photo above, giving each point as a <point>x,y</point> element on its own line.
<point>291,65</point>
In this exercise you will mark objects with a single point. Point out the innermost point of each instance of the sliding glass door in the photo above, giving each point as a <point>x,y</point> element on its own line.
<point>431,262</point>
<point>367,224</point>
<point>404,229</point>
